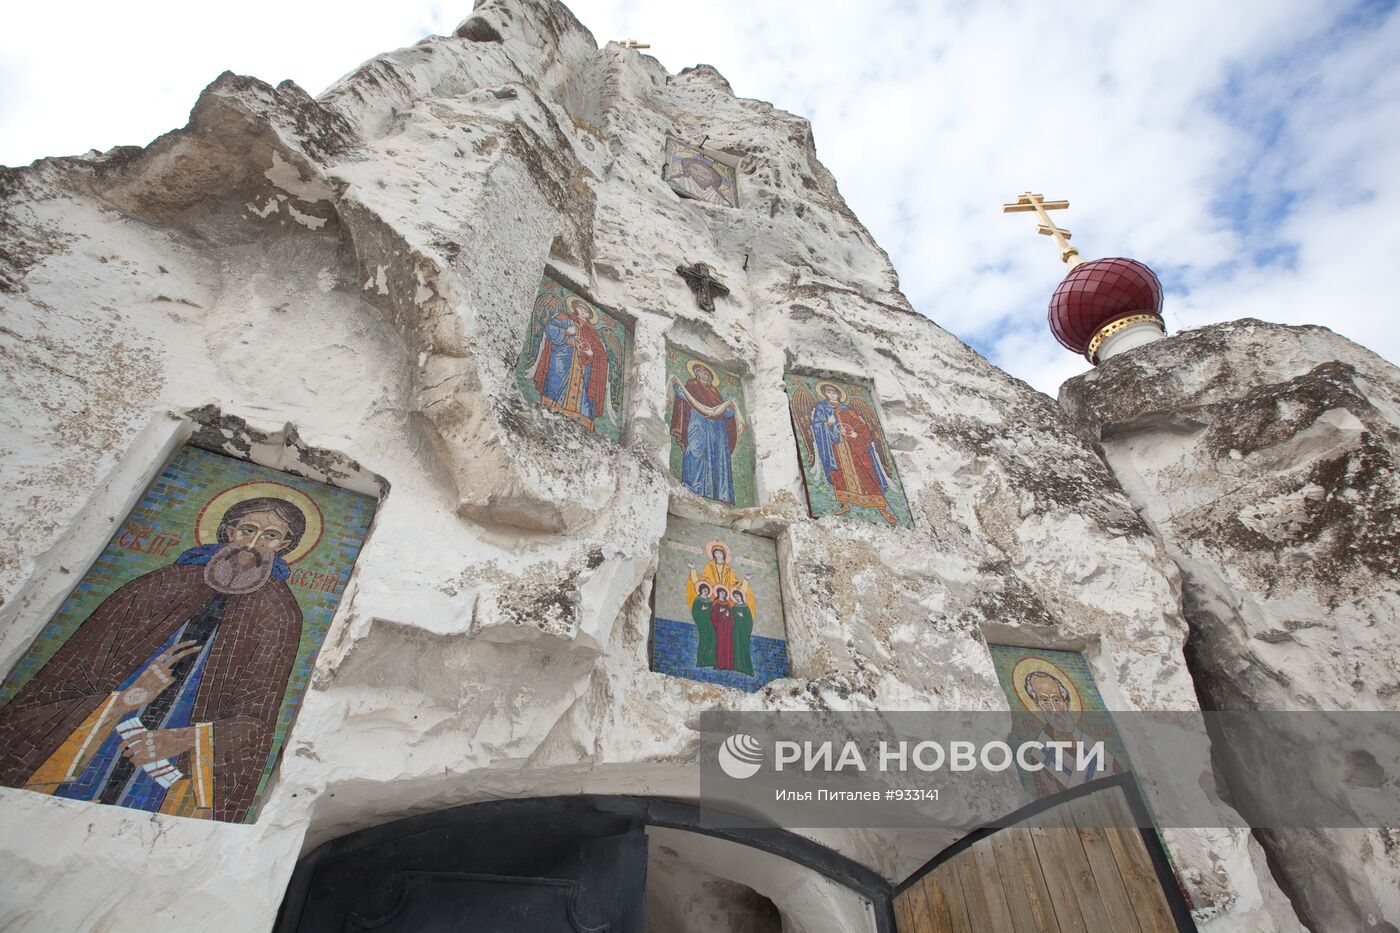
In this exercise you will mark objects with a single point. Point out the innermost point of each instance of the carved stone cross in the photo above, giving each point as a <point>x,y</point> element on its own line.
<point>703,283</point>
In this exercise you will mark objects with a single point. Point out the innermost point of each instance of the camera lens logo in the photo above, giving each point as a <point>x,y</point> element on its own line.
<point>740,756</point>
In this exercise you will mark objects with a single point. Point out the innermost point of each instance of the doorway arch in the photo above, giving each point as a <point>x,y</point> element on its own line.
<point>544,864</point>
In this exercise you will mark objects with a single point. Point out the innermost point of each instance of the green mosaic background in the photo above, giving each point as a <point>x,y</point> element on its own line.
<point>170,507</point>
<point>821,499</point>
<point>683,547</point>
<point>730,387</point>
<point>549,300</point>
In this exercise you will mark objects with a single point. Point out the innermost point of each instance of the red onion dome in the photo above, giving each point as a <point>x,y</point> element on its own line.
<point>1099,293</point>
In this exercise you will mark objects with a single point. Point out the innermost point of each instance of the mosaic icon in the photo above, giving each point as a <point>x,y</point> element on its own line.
<point>846,464</point>
<point>170,676</point>
<point>693,174</point>
<point>718,610</point>
<point>1053,698</point>
<point>573,359</point>
<point>712,448</point>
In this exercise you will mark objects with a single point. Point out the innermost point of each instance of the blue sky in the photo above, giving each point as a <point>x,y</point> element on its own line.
<point>1246,151</point>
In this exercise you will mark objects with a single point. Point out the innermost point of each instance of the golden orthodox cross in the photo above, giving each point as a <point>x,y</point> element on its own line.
<point>1036,202</point>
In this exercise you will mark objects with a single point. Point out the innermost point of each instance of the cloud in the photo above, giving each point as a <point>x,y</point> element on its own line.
<point>101,74</point>
<point>1245,151</point>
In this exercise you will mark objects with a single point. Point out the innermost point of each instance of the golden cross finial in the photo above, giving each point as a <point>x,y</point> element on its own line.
<point>1036,202</point>
<point>633,44</point>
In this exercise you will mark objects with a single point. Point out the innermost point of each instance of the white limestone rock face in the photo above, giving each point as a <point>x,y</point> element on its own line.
<point>361,268</point>
<point>684,898</point>
<point>1265,457</point>
<point>702,884</point>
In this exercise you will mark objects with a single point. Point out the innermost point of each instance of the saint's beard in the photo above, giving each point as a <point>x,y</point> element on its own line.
<point>226,575</point>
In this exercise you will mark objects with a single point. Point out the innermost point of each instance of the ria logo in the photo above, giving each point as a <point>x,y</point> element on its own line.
<point>740,756</point>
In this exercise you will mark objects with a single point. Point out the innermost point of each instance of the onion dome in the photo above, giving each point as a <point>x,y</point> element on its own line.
<point>1102,298</point>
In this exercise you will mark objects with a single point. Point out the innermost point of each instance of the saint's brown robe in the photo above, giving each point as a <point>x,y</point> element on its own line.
<point>240,692</point>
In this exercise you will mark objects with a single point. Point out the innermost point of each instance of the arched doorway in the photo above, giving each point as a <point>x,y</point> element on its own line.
<point>581,864</point>
<point>575,864</point>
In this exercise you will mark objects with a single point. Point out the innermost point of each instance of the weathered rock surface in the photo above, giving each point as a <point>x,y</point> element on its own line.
<point>1266,457</point>
<point>362,267</point>
<point>690,890</point>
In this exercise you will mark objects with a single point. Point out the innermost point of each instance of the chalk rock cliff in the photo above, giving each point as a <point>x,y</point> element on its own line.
<point>1265,457</point>
<point>355,274</point>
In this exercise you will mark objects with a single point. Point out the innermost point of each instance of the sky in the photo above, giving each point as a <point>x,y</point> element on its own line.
<point>1248,151</point>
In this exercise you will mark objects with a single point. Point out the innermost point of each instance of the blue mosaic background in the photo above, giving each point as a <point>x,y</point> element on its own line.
<point>673,646</point>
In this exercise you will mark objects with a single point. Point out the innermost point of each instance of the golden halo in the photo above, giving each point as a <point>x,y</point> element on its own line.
<point>693,365</point>
<point>1032,665</point>
<point>710,550</point>
<point>206,526</point>
<point>581,306</point>
<point>821,386</point>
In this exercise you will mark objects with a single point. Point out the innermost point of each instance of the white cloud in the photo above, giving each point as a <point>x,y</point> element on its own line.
<point>1244,150</point>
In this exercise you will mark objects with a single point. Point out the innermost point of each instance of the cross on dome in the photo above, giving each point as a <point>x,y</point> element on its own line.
<point>1102,307</point>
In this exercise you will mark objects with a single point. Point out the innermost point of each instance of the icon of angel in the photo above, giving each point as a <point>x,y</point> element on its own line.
<point>840,431</point>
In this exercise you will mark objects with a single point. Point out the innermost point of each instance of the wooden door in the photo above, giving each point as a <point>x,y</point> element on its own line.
<point>1067,869</point>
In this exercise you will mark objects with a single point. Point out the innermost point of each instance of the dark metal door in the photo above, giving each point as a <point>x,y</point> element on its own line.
<point>532,867</point>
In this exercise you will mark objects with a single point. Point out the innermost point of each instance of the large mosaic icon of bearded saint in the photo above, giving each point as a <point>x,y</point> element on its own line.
<point>843,433</point>
<point>571,369</point>
<point>166,698</point>
<point>1049,694</point>
<point>706,427</point>
<point>722,608</point>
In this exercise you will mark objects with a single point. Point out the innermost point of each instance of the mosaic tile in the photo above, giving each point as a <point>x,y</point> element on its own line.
<point>847,466</point>
<point>191,639</point>
<point>712,447</point>
<point>573,359</point>
<point>718,607</point>
<point>693,174</point>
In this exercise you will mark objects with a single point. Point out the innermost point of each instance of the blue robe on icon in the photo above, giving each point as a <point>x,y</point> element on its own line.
<point>707,465</point>
<point>862,477</point>
<point>571,372</point>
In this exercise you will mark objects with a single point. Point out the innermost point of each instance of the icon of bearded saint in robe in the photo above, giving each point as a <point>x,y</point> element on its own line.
<point>166,698</point>
<point>572,367</point>
<point>841,432</point>
<point>1048,695</point>
<point>696,176</point>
